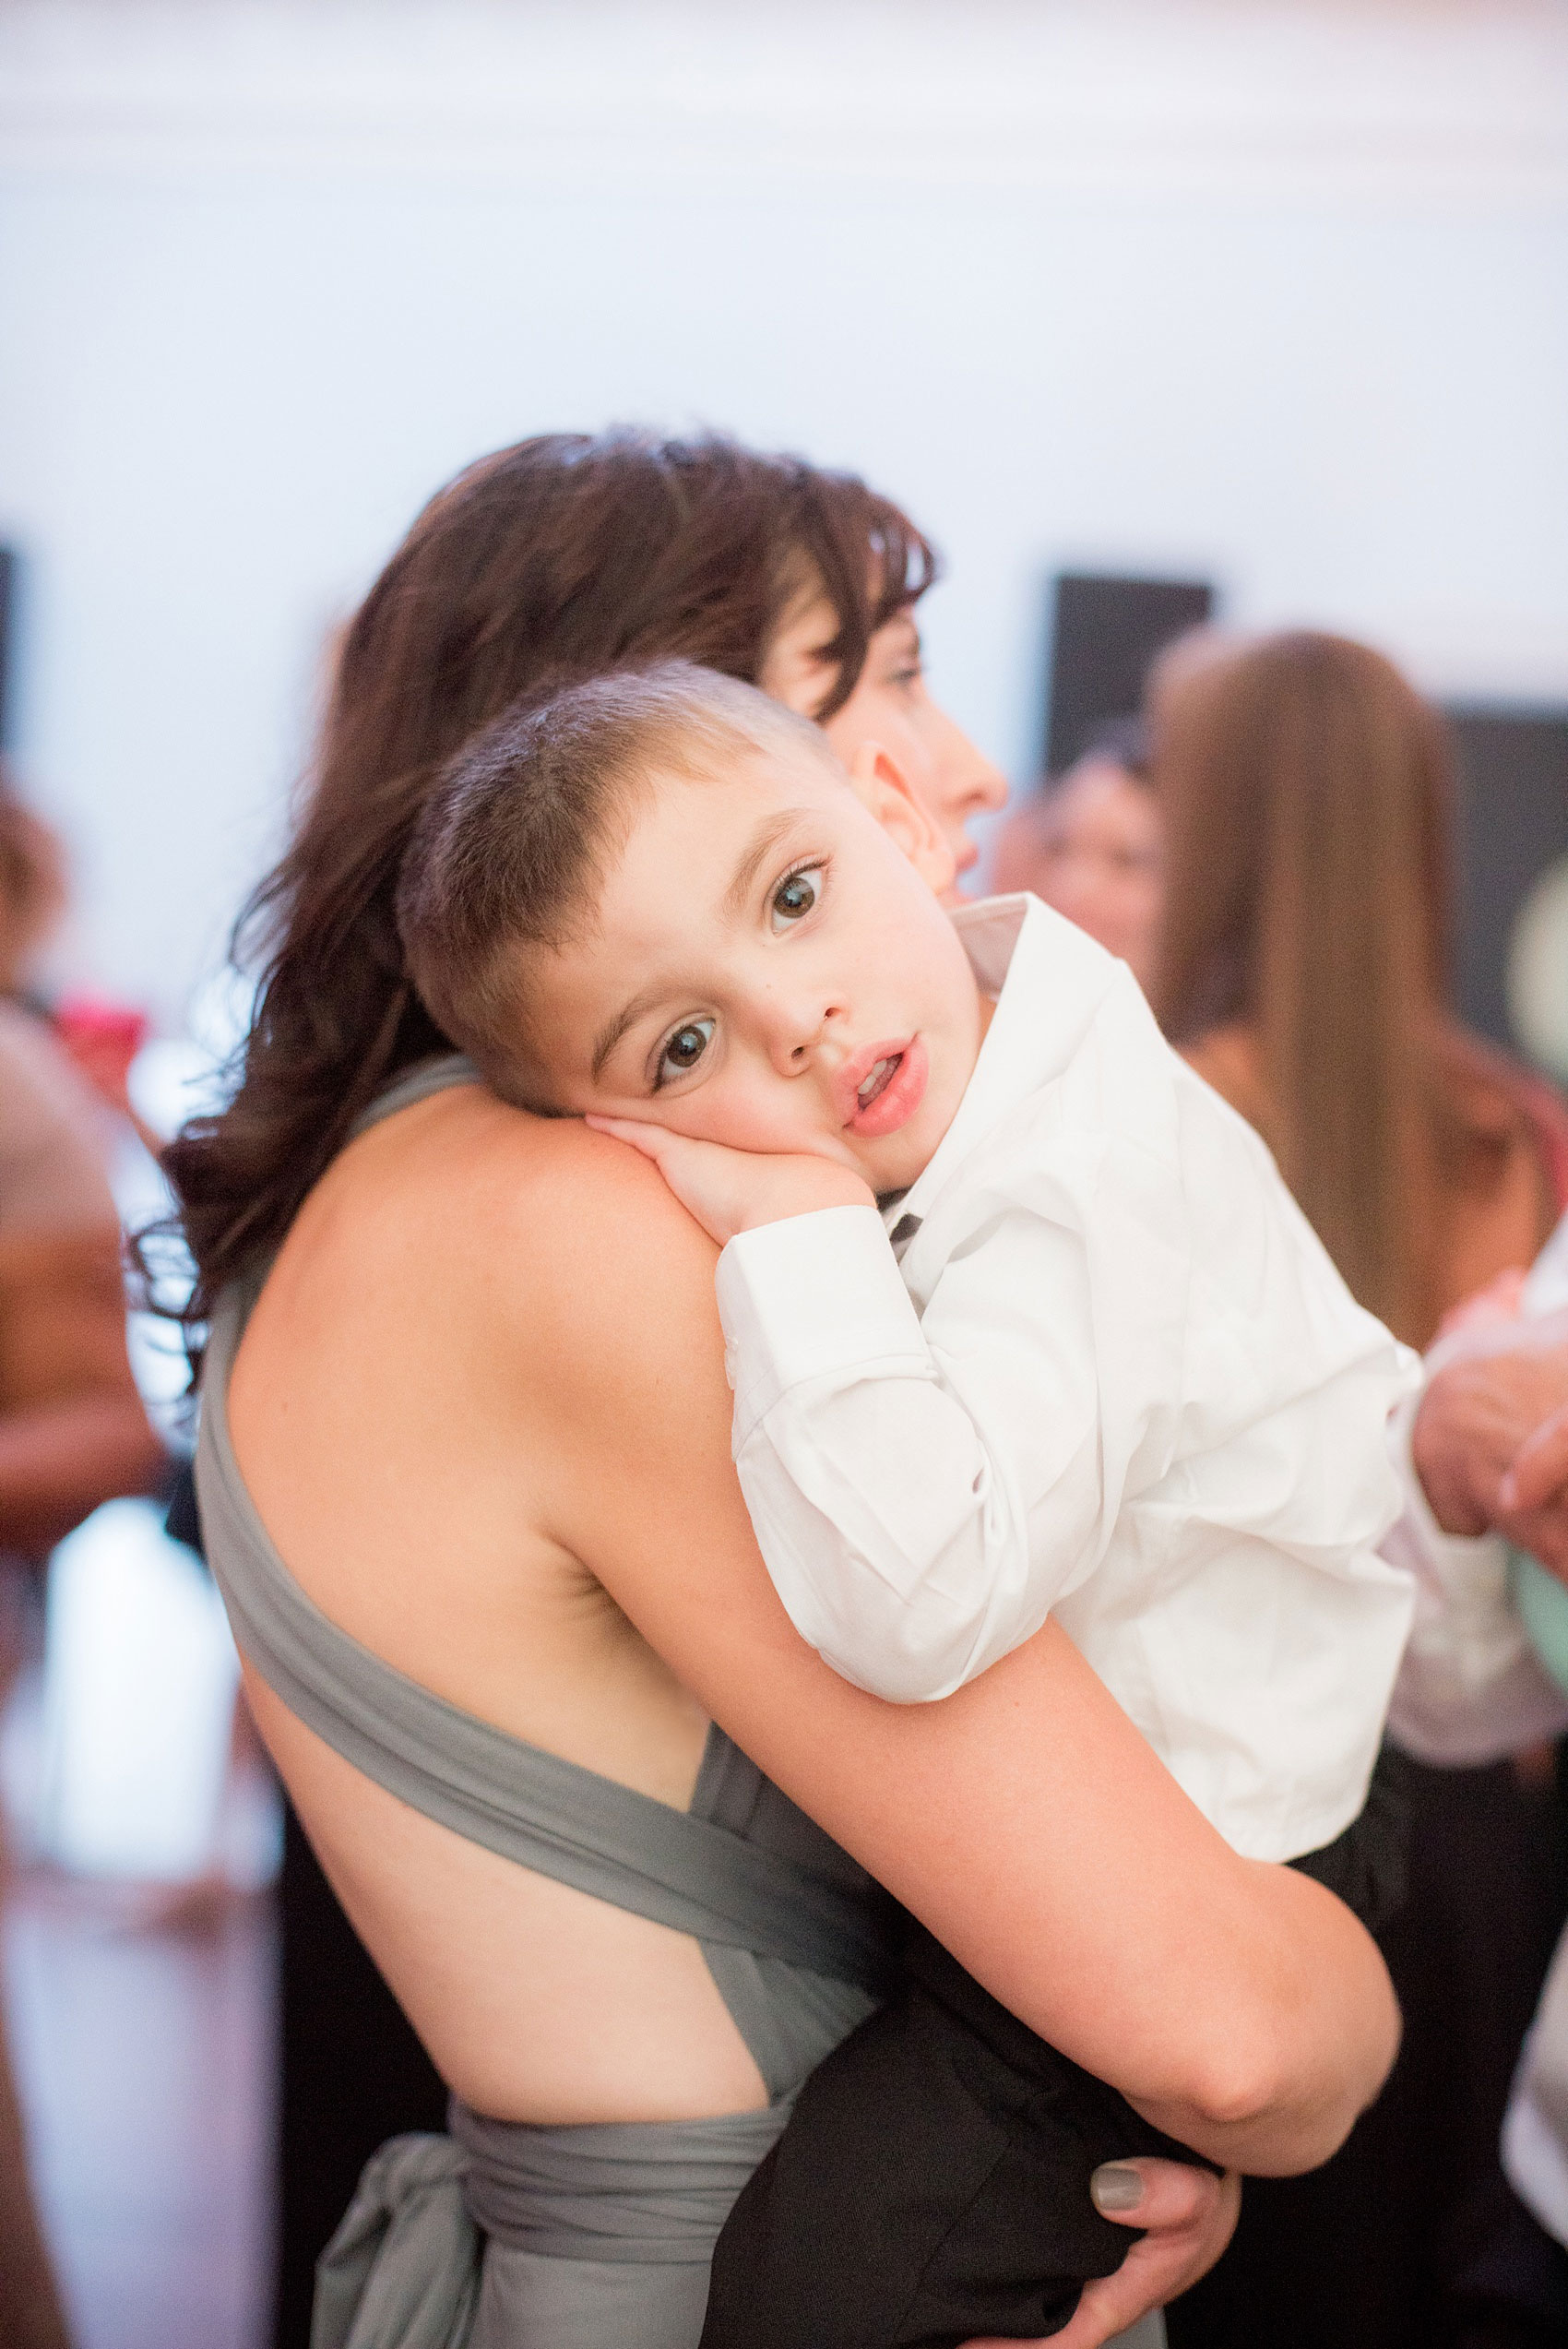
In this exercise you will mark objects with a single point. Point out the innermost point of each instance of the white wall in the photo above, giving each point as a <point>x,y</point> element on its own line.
<point>1278,292</point>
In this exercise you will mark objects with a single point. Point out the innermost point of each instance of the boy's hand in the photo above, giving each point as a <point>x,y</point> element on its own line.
<point>734,1190</point>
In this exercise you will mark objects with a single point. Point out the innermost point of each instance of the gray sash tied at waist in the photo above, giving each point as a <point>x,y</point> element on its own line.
<point>405,2266</point>
<point>638,2191</point>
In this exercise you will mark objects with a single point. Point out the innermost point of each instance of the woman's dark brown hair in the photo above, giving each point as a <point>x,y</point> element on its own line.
<point>562,558</point>
<point>1306,793</point>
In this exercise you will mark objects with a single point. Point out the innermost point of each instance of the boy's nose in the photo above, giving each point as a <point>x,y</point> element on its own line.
<point>798,1030</point>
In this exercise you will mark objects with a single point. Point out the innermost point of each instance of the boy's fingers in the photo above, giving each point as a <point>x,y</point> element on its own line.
<point>1540,1466</point>
<point>626,1129</point>
<point>654,1141</point>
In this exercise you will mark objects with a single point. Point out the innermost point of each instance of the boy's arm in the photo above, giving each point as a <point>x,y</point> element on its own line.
<point>895,1473</point>
<point>923,1492</point>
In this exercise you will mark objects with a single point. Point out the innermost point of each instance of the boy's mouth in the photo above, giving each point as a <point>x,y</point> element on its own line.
<point>883,1086</point>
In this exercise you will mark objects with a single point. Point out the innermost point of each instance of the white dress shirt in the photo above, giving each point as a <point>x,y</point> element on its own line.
<point>1105,1371</point>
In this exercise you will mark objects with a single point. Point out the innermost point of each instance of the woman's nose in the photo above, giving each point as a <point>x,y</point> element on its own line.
<point>980,785</point>
<point>966,785</point>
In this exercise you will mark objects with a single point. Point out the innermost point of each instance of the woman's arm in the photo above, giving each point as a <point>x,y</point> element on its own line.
<point>73,1432</point>
<point>1022,1819</point>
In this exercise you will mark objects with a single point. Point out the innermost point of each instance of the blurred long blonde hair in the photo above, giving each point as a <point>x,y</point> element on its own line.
<point>1307,792</point>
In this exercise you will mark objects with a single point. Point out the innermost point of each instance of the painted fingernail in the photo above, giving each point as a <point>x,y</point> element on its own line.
<point>1115,2187</point>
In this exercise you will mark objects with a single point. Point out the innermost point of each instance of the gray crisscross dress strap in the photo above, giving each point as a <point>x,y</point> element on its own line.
<point>597,2236</point>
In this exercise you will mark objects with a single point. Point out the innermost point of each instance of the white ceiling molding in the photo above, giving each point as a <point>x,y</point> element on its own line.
<point>1431,99</point>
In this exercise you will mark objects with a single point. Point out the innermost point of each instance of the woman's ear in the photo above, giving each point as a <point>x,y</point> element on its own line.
<point>879,784</point>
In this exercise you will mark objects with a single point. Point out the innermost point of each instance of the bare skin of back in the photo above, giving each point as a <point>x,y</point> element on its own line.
<point>386,1418</point>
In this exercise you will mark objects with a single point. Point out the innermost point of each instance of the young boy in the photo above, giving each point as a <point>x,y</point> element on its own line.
<point>1020,1321</point>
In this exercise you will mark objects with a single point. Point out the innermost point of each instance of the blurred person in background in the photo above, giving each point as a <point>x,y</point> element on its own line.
<point>1302,966</point>
<point>1089,845</point>
<point>73,1432</point>
<point>33,894</point>
<point>72,1429</point>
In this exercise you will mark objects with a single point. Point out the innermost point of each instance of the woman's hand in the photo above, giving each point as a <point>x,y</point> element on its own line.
<point>1533,1495</point>
<point>1491,1445</point>
<point>736,1190</point>
<point>1191,2216</point>
<point>1498,1384</point>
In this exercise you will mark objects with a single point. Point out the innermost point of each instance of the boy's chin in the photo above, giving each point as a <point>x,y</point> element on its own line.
<point>885,1170</point>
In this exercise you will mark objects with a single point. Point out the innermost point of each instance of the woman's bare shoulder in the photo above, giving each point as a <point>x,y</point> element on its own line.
<point>517,1221</point>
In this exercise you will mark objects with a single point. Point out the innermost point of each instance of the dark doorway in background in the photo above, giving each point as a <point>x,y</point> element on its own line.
<point>1104,633</point>
<point>1512,774</point>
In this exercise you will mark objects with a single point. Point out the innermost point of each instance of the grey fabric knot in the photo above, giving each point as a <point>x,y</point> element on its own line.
<point>403,2268</point>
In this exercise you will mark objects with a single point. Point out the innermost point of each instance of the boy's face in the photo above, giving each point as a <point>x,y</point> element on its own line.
<point>768,967</point>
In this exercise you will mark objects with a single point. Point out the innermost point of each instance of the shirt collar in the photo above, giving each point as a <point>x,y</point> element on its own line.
<point>1042,971</point>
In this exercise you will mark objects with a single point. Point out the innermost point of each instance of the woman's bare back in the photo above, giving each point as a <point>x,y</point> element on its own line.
<point>383,1413</point>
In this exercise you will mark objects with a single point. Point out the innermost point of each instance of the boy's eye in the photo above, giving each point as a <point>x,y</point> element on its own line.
<point>683,1050</point>
<point>793,899</point>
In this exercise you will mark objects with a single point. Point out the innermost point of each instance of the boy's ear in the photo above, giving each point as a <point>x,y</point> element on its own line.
<point>880,784</point>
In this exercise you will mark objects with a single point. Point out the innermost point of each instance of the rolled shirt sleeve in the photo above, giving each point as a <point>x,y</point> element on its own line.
<point>898,1534</point>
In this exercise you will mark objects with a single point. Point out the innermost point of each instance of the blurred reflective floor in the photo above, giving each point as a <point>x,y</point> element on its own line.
<point>142,2038</point>
<point>138,1943</point>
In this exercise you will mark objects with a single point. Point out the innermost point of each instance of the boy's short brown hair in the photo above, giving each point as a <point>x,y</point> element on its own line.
<point>513,841</point>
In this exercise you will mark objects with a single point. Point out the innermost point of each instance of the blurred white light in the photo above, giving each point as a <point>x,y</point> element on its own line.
<point>178,1077</point>
<point>1538,971</point>
<point>140,1681</point>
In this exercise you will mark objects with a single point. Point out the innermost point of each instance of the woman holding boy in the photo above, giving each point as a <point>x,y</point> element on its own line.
<point>519,1583</point>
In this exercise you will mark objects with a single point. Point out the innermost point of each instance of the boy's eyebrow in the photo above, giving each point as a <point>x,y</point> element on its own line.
<point>611,1034</point>
<point>763,843</point>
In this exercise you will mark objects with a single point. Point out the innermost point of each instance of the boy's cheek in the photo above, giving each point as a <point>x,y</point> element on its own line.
<point>777,1118</point>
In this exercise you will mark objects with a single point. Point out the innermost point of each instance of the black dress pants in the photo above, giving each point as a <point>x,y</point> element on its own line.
<point>933,2183</point>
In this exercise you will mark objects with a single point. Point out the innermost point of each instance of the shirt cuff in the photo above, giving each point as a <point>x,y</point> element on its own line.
<point>809,1297</point>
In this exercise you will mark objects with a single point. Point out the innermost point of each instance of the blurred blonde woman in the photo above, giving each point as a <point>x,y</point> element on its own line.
<point>1302,966</point>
